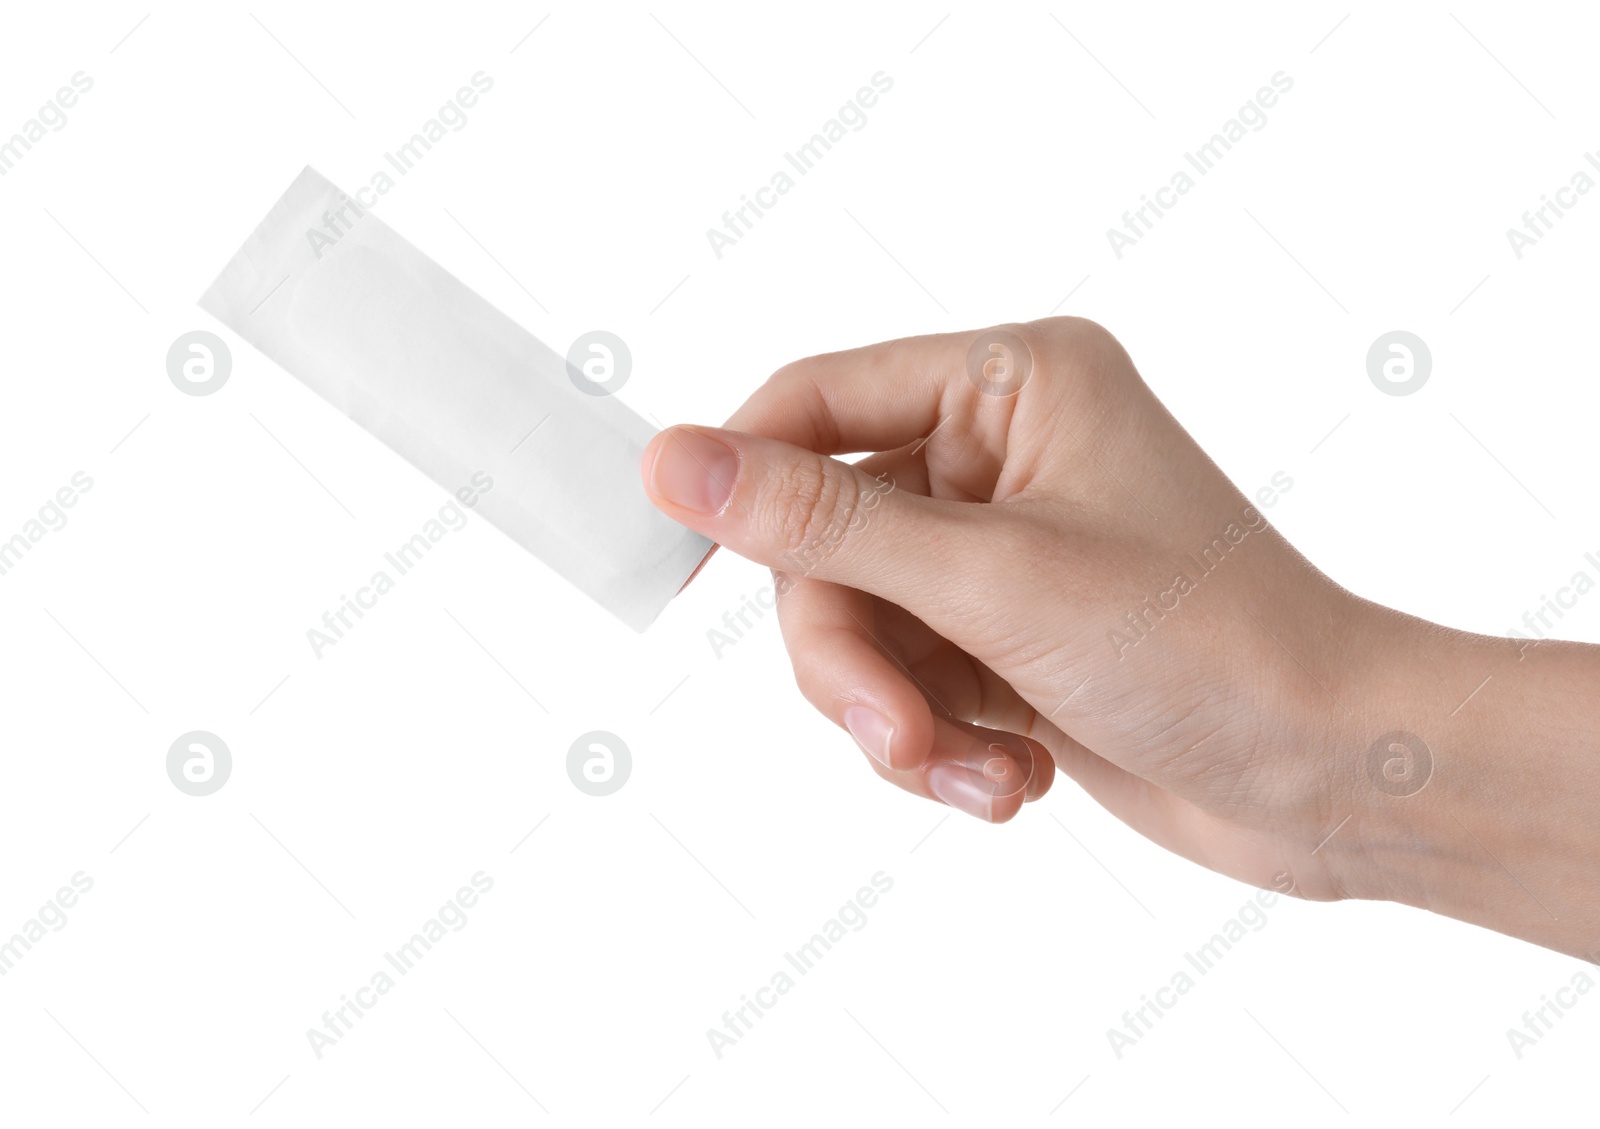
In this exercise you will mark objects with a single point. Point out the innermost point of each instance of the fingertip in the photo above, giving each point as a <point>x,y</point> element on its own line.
<point>1043,770</point>
<point>959,787</point>
<point>896,737</point>
<point>987,773</point>
<point>914,735</point>
<point>974,791</point>
<point>689,473</point>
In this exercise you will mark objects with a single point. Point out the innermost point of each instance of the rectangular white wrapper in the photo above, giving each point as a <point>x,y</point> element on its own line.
<point>397,343</point>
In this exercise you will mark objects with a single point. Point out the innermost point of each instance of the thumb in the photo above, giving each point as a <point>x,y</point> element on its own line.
<point>805,514</point>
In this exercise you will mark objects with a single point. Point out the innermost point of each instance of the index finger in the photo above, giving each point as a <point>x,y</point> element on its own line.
<point>875,398</point>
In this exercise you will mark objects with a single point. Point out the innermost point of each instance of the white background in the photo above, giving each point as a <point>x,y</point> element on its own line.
<point>370,783</point>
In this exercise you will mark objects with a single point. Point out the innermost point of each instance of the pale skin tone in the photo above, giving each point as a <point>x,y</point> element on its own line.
<point>993,595</point>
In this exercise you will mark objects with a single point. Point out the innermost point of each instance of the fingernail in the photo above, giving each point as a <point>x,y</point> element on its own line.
<point>963,789</point>
<point>872,732</point>
<point>694,471</point>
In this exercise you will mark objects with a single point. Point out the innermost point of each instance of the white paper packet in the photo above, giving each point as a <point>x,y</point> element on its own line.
<point>402,347</point>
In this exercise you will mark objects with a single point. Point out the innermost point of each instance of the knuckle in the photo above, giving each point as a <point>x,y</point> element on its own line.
<point>787,379</point>
<point>1074,326</point>
<point>1083,358</point>
<point>1075,333</point>
<point>1069,352</point>
<point>797,391</point>
<point>812,507</point>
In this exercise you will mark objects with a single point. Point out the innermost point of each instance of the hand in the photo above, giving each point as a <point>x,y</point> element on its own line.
<point>1059,568</point>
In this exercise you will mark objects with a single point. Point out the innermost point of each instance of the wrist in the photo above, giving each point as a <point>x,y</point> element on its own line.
<point>1467,767</point>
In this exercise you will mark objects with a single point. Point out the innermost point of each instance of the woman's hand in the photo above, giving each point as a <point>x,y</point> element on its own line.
<point>1038,559</point>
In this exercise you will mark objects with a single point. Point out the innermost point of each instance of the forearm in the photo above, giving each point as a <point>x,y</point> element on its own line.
<point>1503,828</point>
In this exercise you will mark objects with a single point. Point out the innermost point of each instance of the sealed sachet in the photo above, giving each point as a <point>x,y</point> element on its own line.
<point>386,335</point>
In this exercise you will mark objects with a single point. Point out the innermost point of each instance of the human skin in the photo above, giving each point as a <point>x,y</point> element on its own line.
<point>994,594</point>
